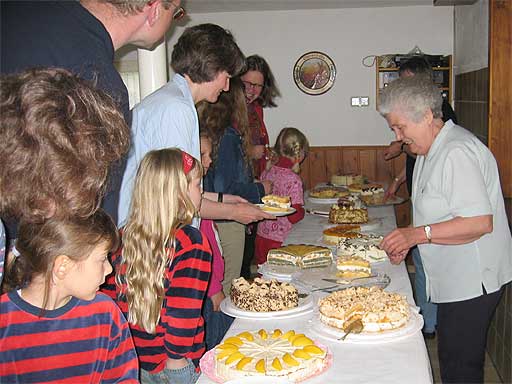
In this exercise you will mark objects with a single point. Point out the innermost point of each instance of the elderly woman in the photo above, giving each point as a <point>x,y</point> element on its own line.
<point>459,224</point>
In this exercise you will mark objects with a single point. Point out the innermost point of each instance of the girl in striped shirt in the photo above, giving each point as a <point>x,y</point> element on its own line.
<point>163,269</point>
<point>54,326</point>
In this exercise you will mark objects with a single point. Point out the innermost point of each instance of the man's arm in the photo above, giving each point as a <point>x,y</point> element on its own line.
<point>244,213</point>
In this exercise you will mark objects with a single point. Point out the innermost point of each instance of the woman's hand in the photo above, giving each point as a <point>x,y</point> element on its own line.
<point>397,243</point>
<point>393,150</point>
<point>217,299</point>
<point>256,152</point>
<point>267,185</point>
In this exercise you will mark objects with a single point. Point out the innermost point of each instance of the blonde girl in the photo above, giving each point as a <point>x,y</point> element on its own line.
<point>163,268</point>
<point>54,325</point>
<point>291,148</point>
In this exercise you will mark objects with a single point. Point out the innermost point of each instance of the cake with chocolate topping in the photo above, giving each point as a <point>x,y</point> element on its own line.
<point>263,295</point>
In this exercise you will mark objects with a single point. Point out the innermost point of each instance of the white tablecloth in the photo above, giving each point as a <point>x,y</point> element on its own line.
<point>401,361</point>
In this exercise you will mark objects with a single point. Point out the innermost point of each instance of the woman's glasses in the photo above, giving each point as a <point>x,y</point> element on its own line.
<point>179,12</point>
<point>248,84</point>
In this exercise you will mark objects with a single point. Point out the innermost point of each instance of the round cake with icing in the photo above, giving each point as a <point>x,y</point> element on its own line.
<point>378,310</point>
<point>366,246</point>
<point>263,295</point>
<point>333,235</point>
<point>289,355</point>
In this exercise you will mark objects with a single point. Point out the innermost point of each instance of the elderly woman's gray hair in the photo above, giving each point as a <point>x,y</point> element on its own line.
<point>412,96</point>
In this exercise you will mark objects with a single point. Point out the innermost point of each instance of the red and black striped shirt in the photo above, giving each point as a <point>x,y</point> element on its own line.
<point>81,342</point>
<point>180,331</point>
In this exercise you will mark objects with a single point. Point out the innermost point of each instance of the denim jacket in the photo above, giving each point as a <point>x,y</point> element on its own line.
<point>230,173</point>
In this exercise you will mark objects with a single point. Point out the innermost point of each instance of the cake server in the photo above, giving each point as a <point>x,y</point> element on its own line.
<point>348,281</point>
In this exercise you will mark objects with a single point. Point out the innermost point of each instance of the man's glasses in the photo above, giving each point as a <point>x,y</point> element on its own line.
<point>179,12</point>
<point>248,84</point>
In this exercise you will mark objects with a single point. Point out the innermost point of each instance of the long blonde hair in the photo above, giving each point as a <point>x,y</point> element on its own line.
<point>160,206</point>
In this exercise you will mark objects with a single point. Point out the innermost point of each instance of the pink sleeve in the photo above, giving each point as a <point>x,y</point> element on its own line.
<point>208,229</point>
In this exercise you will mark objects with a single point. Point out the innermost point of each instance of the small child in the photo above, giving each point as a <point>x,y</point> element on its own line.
<point>163,269</point>
<point>291,148</point>
<point>54,325</point>
<point>217,323</point>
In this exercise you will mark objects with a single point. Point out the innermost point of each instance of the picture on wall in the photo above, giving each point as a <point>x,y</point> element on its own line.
<point>314,73</point>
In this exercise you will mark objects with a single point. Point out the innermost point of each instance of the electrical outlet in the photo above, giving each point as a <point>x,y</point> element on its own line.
<point>355,101</point>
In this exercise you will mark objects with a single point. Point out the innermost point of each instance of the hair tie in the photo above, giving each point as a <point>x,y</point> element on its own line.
<point>188,162</point>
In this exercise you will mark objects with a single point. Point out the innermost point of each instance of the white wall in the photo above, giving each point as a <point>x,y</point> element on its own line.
<point>347,36</point>
<point>471,37</point>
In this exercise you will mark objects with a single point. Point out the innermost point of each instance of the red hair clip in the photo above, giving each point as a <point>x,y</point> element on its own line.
<point>188,162</point>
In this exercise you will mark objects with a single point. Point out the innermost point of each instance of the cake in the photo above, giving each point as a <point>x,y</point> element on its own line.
<point>351,267</point>
<point>365,246</point>
<point>378,310</point>
<point>328,192</point>
<point>300,255</point>
<point>263,295</point>
<point>350,201</point>
<point>340,214</point>
<point>287,355</point>
<point>333,235</point>
<point>372,194</point>
<point>347,179</point>
<point>276,203</point>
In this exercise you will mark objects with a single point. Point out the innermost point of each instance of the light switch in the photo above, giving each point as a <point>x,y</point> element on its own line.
<point>355,101</point>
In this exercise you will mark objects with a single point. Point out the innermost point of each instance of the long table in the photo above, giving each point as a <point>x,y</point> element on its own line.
<point>402,361</point>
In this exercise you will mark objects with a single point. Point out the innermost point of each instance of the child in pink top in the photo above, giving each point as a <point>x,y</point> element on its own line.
<point>291,148</point>
<point>217,323</point>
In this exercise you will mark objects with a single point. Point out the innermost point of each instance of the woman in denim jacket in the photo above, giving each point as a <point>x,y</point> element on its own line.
<point>226,124</point>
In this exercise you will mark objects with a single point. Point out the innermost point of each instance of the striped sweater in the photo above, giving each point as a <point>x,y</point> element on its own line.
<point>81,342</point>
<point>180,331</point>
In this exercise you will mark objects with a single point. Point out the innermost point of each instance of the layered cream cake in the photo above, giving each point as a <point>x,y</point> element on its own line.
<point>333,235</point>
<point>351,267</point>
<point>372,194</point>
<point>300,255</point>
<point>347,179</point>
<point>340,214</point>
<point>328,192</point>
<point>365,246</point>
<point>269,353</point>
<point>276,203</point>
<point>263,295</point>
<point>378,310</point>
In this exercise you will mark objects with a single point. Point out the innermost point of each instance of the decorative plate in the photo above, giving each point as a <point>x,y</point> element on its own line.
<point>314,73</point>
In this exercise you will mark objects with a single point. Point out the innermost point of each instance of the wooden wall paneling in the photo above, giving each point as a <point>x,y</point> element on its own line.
<point>384,169</point>
<point>350,160</point>
<point>500,94</point>
<point>305,169</point>
<point>317,172</point>
<point>368,164</point>
<point>332,162</point>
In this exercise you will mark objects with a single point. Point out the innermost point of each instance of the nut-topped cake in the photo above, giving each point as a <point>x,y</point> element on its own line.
<point>378,310</point>
<point>289,355</point>
<point>328,192</point>
<point>263,295</point>
<point>340,214</point>
<point>301,255</point>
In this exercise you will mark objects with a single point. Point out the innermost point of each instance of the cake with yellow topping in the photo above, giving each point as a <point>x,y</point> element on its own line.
<point>333,235</point>
<point>351,267</point>
<point>365,246</point>
<point>263,295</point>
<point>378,310</point>
<point>328,192</point>
<point>301,255</point>
<point>340,214</point>
<point>274,353</point>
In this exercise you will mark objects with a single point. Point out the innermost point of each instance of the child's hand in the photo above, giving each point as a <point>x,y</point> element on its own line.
<point>217,299</point>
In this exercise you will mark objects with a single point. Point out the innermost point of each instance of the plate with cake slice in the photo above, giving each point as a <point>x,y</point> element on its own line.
<point>278,212</point>
<point>385,316</point>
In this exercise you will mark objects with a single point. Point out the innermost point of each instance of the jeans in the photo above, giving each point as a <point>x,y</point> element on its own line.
<point>185,375</point>
<point>216,324</point>
<point>428,309</point>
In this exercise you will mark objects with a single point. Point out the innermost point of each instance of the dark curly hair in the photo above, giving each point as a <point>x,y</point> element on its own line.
<point>205,50</point>
<point>270,90</point>
<point>59,137</point>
